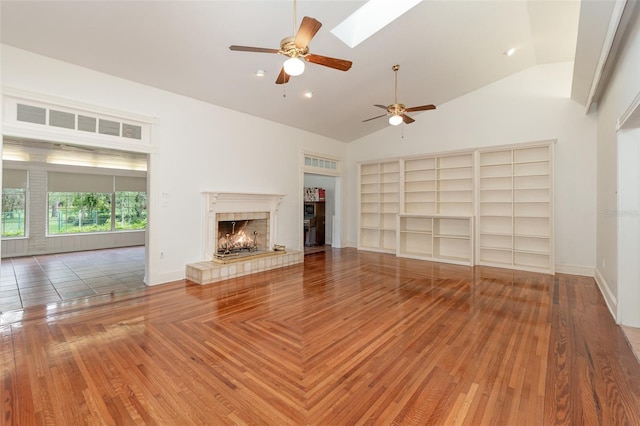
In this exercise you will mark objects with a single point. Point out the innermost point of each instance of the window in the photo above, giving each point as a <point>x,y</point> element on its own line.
<point>13,212</point>
<point>82,203</point>
<point>14,195</point>
<point>322,165</point>
<point>67,119</point>
<point>131,210</point>
<point>131,203</point>
<point>78,212</point>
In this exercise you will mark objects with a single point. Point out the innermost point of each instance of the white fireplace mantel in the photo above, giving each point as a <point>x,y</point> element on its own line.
<point>233,202</point>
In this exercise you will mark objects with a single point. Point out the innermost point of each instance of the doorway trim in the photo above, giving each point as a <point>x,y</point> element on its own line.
<point>12,128</point>
<point>307,166</point>
<point>628,216</point>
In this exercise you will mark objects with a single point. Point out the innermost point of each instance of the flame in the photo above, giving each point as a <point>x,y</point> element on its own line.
<point>237,241</point>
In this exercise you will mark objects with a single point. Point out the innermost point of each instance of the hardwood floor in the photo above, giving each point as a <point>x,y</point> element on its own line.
<point>346,338</point>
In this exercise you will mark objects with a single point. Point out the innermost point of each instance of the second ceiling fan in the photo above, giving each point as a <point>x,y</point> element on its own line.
<point>396,111</point>
<point>297,49</point>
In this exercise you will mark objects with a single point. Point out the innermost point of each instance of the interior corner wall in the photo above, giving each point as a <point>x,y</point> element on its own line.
<point>200,147</point>
<point>622,88</point>
<point>533,105</point>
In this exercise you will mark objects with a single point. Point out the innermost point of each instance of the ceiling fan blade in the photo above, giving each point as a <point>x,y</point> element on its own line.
<point>369,119</point>
<point>407,119</point>
<point>308,28</point>
<point>339,64</point>
<point>420,108</point>
<point>381,106</point>
<point>253,49</point>
<point>283,77</point>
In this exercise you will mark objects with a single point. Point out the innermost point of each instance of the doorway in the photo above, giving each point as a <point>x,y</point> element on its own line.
<point>628,217</point>
<point>73,254</point>
<point>322,171</point>
<point>319,214</point>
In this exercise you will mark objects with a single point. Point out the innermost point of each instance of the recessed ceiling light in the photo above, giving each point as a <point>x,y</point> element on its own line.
<point>308,94</point>
<point>260,73</point>
<point>510,52</point>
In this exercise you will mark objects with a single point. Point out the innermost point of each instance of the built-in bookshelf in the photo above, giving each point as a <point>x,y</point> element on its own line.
<point>420,185</point>
<point>438,196</point>
<point>515,208</point>
<point>379,205</point>
<point>439,184</point>
<point>491,207</point>
<point>439,238</point>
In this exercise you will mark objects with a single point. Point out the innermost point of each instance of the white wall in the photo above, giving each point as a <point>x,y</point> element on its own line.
<point>530,106</point>
<point>619,94</point>
<point>201,147</point>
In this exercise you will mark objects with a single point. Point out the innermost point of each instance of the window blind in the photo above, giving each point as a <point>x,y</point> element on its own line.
<point>12,178</point>
<point>79,182</point>
<point>131,184</point>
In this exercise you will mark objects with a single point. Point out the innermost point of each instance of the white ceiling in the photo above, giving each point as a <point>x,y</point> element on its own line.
<point>445,49</point>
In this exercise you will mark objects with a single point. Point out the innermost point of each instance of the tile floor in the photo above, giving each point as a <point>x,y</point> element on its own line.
<point>38,280</point>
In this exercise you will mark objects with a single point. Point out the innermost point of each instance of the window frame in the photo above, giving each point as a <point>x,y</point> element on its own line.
<point>25,218</point>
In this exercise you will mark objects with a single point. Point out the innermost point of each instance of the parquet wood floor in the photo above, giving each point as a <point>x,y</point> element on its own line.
<point>346,338</point>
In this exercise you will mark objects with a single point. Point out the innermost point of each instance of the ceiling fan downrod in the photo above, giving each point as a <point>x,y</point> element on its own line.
<point>395,69</point>
<point>295,18</point>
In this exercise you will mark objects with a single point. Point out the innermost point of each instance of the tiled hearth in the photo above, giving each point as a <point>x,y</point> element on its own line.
<point>210,272</point>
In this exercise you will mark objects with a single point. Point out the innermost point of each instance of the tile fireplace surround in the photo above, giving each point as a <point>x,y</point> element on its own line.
<point>222,205</point>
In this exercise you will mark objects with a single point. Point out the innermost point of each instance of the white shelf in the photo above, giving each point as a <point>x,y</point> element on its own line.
<point>439,184</point>
<point>379,205</point>
<point>437,237</point>
<point>515,208</point>
<point>491,207</point>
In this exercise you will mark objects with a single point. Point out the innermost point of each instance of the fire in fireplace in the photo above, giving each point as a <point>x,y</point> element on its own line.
<point>237,236</point>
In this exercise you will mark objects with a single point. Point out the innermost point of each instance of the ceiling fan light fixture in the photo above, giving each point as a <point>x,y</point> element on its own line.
<point>294,66</point>
<point>395,120</point>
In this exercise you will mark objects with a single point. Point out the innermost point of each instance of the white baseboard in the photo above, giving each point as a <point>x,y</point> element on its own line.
<point>352,244</point>
<point>609,298</point>
<point>584,271</point>
<point>166,277</point>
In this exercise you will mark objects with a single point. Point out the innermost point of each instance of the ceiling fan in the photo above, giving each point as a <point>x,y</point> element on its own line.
<point>296,48</point>
<point>397,111</point>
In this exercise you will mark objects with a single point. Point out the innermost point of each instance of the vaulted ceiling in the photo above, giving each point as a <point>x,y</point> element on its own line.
<point>445,49</point>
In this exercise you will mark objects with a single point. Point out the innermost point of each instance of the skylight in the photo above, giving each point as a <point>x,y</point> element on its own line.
<point>369,19</point>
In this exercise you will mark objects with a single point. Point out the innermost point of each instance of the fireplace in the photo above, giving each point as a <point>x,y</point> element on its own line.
<point>239,224</point>
<point>240,237</point>
<point>241,234</point>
